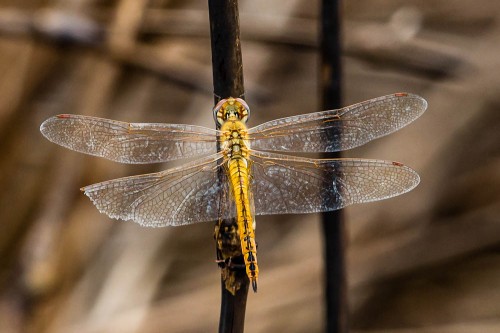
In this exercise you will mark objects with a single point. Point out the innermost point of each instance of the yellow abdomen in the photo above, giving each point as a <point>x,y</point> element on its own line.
<point>234,143</point>
<point>238,169</point>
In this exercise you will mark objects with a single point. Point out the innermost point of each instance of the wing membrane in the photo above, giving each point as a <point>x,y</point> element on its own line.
<point>129,142</point>
<point>188,194</point>
<point>335,130</point>
<point>284,184</point>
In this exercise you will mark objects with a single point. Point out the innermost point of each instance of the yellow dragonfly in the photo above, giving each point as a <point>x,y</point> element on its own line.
<point>240,176</point>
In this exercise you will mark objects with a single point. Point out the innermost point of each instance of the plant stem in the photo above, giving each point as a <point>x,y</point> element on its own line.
<point>228,82</point>
<point>333,222</point>
<point>226,48</point>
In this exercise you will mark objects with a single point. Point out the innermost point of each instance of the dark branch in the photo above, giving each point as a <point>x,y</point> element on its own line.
<point>228,82</point>
<point>333,224</point>
<point>226,48</point>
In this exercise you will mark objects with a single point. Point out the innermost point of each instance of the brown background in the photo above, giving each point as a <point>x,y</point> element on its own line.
<point>427,261</point>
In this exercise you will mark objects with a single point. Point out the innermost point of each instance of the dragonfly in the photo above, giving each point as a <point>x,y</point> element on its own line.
<point>240,172</point>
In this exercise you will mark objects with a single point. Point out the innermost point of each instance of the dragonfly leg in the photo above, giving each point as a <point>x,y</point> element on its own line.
<point>231,264</point>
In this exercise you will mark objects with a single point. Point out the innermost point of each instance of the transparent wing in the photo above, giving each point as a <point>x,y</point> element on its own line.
<point>341,129</point>
<point>188,194</point>
<point>129,142</point>
<point>284,184</point>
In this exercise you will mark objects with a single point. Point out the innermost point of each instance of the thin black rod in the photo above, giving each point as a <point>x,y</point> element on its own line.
<point>333,222</point>
<point>226,48</point>
<point>228,82</point>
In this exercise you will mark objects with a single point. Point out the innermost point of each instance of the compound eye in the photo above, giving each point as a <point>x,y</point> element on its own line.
<point>245,112</point>
<point>231,107</point>
<point>218,116</point>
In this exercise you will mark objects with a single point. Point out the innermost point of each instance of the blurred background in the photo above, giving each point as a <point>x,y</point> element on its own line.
<point>425,262</point>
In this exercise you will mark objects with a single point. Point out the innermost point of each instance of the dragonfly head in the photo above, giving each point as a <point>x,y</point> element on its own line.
<point>231,109</point>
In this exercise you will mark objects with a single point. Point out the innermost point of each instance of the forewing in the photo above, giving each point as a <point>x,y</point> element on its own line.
<point>289,185</point>
<point>129,142</point>
<point>191,193</point>
<point>336,130</point>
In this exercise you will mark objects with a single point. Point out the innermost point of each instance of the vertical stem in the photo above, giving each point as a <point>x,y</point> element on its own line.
<point>333,222</point>
<point>226,48</point>
<point>228,82</point>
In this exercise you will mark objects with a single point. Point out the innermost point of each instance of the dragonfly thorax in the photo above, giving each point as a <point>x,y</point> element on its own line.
<point>234,139</point>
